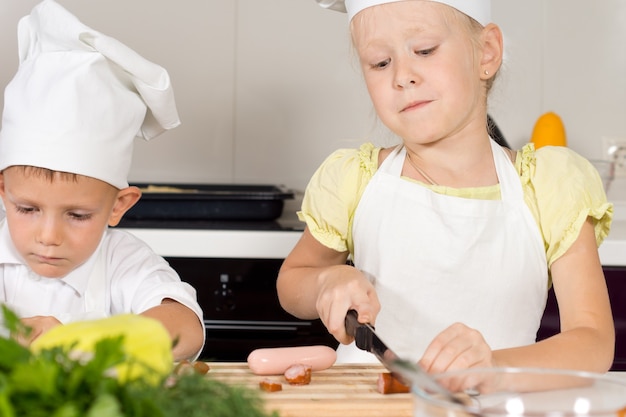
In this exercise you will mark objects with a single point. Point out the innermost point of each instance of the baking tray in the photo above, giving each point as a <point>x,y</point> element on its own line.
<point>209,202</point>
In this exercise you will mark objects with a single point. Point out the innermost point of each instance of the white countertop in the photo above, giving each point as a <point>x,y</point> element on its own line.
<point>259,244</point>
<point>613,250</point>
<point>277,244</point>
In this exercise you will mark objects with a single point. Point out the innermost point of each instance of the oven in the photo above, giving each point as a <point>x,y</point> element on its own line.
<point>241,308</point>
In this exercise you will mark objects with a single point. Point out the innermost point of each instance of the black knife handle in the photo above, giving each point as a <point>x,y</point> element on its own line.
<point>361,332</point>
<point>352,322</point>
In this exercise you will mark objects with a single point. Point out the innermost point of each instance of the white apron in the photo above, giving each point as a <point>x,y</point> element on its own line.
<point>437,259</point>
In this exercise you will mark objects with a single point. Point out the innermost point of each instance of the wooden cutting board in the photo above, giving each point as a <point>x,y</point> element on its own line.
<point>341,391</point>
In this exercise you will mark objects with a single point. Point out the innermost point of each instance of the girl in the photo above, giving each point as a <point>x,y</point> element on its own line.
<point>455,240</point>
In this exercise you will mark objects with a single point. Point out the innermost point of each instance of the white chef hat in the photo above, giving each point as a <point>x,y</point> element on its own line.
<point>80,98</point>
<point>479,10</point>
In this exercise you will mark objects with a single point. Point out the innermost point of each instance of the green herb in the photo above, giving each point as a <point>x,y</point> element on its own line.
<point>53,383</point>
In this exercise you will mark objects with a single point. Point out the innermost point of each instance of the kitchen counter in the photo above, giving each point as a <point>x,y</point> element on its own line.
<point>276,244</point>
<point>346,390</point>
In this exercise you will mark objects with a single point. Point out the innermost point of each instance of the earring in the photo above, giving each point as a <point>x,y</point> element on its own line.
<point>486,72</point>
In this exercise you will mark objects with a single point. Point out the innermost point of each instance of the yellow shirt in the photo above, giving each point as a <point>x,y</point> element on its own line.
<point>561,188</point>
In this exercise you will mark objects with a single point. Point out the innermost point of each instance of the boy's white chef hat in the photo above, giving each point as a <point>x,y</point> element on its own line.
<point>80,98</point>
<point>479,10</point>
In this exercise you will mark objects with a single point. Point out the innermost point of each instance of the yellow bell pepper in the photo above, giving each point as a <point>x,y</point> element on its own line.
<point>146,343</point>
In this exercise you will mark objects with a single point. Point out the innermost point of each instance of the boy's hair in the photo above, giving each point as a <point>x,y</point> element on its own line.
<point>46,173</point>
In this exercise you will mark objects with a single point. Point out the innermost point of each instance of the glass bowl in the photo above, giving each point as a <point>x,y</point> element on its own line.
<point>525,392</point>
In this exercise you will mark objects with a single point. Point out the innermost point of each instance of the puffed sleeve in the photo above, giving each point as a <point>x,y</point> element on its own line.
<point>567,190</point>
<point>333,193</point>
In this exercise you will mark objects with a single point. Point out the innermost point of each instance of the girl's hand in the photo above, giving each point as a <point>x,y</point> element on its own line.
<point>345,288</point>
<point>39,325</point>
<point>316,282</point>
<point>457,347</point>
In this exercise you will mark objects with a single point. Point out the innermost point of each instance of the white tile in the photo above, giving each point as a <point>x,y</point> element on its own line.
<point>298,93</point>
<point>267,89</point>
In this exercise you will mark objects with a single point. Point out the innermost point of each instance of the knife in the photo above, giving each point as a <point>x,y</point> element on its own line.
<point>409,373</point>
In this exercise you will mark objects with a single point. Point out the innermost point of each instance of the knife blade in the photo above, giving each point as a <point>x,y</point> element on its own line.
<point>409,373</point>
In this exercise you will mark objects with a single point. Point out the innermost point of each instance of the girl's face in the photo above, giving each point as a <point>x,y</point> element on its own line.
<point>55,224</point>
<point>421,67</point>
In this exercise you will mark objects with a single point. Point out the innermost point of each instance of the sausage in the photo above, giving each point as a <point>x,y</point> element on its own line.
<point>388,384</point>
<point>298,374</point>
<point>270,386</point>
<point>275,361</point>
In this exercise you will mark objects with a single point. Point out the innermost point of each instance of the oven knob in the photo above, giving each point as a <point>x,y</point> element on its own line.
<point>224,298</point>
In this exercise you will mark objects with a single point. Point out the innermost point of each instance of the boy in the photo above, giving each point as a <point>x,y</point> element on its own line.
<point>71,114</point>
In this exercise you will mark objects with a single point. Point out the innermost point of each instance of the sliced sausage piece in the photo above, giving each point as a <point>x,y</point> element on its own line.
<point>185,367</point>
<point>270,386</point>
<point>275,361</point>
<point>298,374</point>
<point>201,367</point>
<point>388,384</point>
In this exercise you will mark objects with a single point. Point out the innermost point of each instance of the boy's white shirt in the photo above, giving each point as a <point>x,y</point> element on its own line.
<point>86,292</point>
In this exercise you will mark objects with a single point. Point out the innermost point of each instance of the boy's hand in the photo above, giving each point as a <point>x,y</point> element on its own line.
<point>39,325</point>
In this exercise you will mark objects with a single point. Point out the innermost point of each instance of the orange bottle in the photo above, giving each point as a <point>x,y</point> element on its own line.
<point>549,131</point>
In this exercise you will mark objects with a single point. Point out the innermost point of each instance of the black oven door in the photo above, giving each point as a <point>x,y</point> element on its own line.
<point>241,308</point>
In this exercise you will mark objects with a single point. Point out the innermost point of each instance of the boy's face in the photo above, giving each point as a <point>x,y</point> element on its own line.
<point>56,224</point>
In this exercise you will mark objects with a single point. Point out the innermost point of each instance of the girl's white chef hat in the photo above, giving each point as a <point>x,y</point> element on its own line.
<point>79,99</point>
<point>479,10</point>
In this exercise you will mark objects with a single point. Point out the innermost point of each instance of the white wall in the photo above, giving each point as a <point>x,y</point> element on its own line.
<point>267,89</point>
<point>567,56</point>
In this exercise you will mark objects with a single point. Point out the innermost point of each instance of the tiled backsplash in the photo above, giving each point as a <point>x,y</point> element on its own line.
<point>267,89</point>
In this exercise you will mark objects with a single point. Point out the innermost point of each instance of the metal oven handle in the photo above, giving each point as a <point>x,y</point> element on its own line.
<point>256,325</point>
